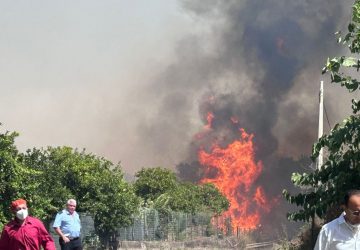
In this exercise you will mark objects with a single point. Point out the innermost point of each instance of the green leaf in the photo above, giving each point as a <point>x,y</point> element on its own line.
<point>324,187</point>
<point>355,106</point>
<point>350,62</point>
<point>351,27</point>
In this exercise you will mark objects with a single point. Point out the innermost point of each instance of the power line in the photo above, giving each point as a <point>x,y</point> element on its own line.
<point>327,118</point>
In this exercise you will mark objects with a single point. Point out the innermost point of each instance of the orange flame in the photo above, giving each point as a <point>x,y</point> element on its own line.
<point>236,171</point>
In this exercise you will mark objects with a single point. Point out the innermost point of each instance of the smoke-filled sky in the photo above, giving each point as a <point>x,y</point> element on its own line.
<point>131,80</point>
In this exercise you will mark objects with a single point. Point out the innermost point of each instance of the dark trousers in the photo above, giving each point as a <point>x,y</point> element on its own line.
<point>71,245</point>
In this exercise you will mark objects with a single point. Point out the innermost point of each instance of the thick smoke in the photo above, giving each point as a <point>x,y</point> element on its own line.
<point>258,62</point>
<point>272,42</point>
<point>249,58</point>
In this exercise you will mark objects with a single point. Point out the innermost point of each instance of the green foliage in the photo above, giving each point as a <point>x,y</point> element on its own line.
<point>152,182</point>
<point>51,193</point>
<point>325,187</point>
<point>352,41</point>
<point>160,189</point>
<point>184,197</point>
<point>46,178</point>
<point>211,198</point>
<point>109,199</point>
<point>16,180</point>
<point>95,182</point>
<point>8,166</point>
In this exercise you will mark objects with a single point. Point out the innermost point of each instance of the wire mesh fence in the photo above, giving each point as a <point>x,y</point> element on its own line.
<point>168,230</point>
<point>153,229</point>
<point>153,225</point>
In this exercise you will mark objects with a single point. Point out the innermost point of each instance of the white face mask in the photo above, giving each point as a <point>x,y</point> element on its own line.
<point>22,214</point>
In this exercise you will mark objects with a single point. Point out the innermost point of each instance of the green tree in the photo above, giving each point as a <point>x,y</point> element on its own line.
<point>52,164</point>
<point>160,189</point>
<point>16,180</point>
<point>325,187</point>
<point>213,199</point>
<point>109,198</point>
<point>153,182</point>
<point>96,183</point>
<point>163,192</point>
<point>191,198</point>
<point>46,178</point>
<point>185,197</point>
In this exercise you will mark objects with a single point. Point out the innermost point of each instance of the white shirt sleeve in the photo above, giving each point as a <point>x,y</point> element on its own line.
<point>321,242</point>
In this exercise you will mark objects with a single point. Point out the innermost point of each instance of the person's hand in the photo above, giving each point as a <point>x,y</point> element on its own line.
<point>65,239</point>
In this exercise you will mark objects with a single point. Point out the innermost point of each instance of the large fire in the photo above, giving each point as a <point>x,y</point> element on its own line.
<point>234,170</point>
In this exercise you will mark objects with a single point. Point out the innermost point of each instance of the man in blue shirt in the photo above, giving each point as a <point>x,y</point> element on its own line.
<point>67,226</point>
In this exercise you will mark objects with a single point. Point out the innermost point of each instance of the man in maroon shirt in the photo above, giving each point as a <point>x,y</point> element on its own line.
<point>25,232</point>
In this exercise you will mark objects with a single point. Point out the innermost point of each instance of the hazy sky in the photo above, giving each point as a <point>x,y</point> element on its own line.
<point>124,79</point>
<point>70,70</point>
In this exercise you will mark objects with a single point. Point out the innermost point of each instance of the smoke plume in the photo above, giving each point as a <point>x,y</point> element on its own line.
<point>258,62</point>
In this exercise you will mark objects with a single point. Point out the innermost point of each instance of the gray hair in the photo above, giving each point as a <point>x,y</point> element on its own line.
<point>71,202</point>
